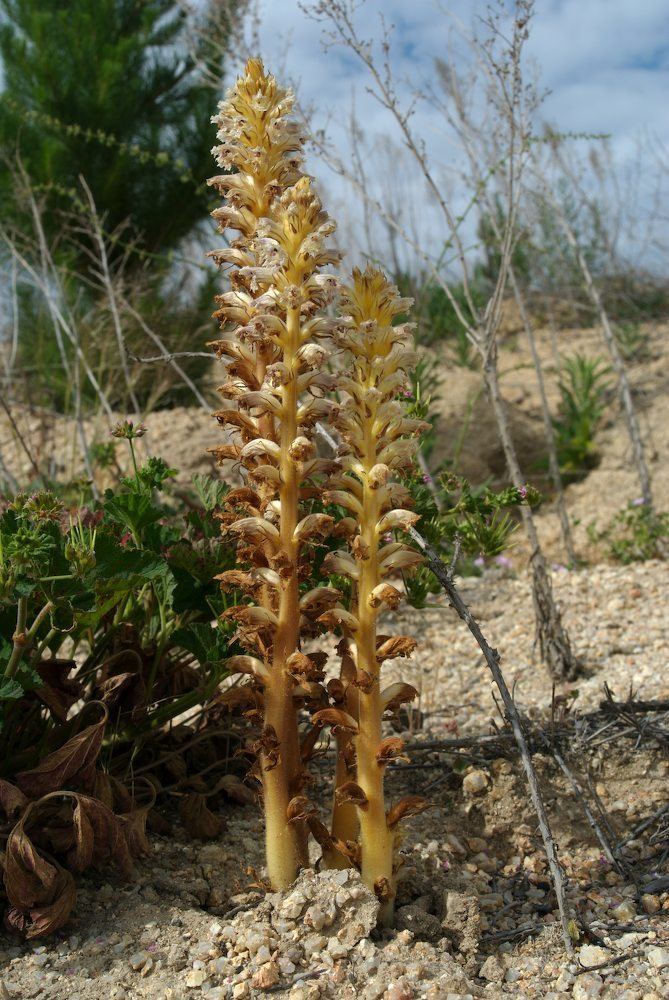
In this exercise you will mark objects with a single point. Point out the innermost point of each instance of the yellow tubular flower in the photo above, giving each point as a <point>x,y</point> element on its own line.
<point>377,438</point>
<point>275,387</point>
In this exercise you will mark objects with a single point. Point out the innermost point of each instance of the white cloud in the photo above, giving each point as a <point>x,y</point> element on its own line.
<point>605,63</point>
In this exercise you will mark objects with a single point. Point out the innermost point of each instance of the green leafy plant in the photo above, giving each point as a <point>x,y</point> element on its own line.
<point>632,340</point>
<point>106,609</point>
<point>138,129</point>
<point>583,385</point>
<point>635,534</point>
<point>470,525</point>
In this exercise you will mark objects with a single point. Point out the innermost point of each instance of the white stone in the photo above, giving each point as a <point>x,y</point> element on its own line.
<point>591,954</point>
<point>492,969</point>
<point>586,987</point>
<point>474,782</point>
<point>337,949</point>
<point>195,978</point>
<point>626,911</point>
<point>658,957</point>
<point>315,916</point>
<point>293,905</point>
<point>564,981</point>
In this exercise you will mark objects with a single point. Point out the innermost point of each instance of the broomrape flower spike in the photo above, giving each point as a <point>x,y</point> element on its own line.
<point>274,392</point>
<point>377,445</point>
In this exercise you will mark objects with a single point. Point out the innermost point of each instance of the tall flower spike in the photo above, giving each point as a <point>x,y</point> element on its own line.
<point>377,444</point>
<point>275,386</point>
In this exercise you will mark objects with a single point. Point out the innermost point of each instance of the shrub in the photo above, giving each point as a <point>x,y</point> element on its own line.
<point>635,534</point>
<point>583,385</point>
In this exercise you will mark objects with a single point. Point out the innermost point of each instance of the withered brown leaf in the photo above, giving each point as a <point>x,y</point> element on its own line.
<point>44,918</point>
<point>235,790</point>
<point>71,765</point>
<point>198,818</point>
<point>99,836</point>
<point>12,800</point>
<point>59,692</point>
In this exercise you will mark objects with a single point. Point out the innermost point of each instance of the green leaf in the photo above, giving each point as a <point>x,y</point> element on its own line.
<point>134,511</point>
<point>211,492</point>
<point>10,690</point>
<point>207,644</point>
<point>119,568</point>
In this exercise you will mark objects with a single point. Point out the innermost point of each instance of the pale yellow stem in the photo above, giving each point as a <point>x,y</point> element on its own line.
<point>286,844</point>
<point>376,839</point>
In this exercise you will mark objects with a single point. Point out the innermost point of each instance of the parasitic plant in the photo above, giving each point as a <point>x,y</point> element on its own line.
<point>272,331</point>
<point>377,447</point>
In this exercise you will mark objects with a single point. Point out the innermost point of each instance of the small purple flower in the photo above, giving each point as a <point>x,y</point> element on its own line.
<point>559,568</point>
<point>479,561</point>
<point>639,502</point>
<point>408,393</point>
<point>388,537</point>
<point>522,492</point>
<point>503,561</point>
<point>427,479</point>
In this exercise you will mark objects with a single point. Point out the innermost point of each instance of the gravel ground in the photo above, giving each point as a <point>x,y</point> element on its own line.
<point>616,618</point>
<point>192,924</point>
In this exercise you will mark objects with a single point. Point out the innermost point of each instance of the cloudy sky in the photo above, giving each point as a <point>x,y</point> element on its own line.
<point>605,64</point>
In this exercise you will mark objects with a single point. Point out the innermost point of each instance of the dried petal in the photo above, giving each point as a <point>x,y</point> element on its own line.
<point>349,791</point>
<point>337,617</point>
<point>336,718</point>
<point>398,645</point>
<point>248,665</point>
<point>402,519</point>
<point>390,749</point>
<point>313,526</point>
<point>396,695</point>
<point>409,806</point>
<point>386,594</point>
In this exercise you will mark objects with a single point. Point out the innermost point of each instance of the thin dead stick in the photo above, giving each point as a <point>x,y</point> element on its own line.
<point>21,439</point>
<point>553,462</point>
<point>108,285</point>
<point>492,659</point>
<point>170,357</point>
<point>580,795</point>
<point>167,358</point>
